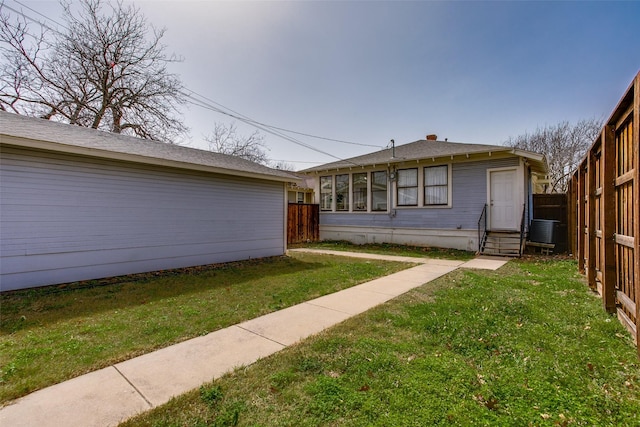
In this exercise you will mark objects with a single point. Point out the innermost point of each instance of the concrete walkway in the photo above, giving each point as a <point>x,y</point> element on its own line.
<point>114,394</point>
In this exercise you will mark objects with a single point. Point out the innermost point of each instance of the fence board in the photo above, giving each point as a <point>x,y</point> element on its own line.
<point>605,224</point>
<point>608,199</point>
<point>303,223</point>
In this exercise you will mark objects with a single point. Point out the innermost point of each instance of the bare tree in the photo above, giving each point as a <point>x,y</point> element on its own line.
<point>563,145</point>
<point>107,70</point>
<point>282,165</point>
<point>225,139</point>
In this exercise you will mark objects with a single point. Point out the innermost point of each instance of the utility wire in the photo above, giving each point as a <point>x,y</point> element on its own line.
<point>21,13</point>
<point>251,122</point>
<point>243,119</point>
<point>282,129</point>
<point>38,13</point>
<point>325,138</point>
<point>206,104</point>
<point>295,161</point>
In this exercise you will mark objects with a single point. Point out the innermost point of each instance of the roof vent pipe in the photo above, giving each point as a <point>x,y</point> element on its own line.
<point>432,137</point>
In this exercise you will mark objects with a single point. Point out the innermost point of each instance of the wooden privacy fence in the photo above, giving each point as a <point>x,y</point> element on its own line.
<point>303,223</point>
<point>604,214</point>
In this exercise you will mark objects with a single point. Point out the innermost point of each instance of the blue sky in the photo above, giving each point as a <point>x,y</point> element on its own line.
<point>367,72</point>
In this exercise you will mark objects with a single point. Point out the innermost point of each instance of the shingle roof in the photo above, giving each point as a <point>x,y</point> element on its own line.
<point>44,134</point>
<point>421,149</point>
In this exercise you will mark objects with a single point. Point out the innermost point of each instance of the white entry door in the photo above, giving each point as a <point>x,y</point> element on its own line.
<point>503,204</point>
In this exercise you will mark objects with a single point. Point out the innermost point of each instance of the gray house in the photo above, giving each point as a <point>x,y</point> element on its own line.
<point>430,193</point>
<point>78,204</point>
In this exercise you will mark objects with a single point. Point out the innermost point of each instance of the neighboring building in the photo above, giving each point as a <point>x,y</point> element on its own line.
<point>76,204</point>
<point>426,193</point>
<point>302,191</point>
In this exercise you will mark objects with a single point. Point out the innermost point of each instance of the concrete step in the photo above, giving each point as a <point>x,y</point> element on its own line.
<point>501,243</point>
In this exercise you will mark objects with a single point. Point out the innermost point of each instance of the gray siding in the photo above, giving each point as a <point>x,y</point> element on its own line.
<point>66,218</point>
<point>469,195</point>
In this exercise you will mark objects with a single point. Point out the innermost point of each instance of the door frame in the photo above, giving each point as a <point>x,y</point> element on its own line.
<point>519,196</point>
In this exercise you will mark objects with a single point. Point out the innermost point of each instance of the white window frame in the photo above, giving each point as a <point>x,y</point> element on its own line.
<point>331,194</point>
<point>366,192</point>
<point>449,187</point>
<point>417,187</point>
<point>346,193</point>
<point>388,187</point>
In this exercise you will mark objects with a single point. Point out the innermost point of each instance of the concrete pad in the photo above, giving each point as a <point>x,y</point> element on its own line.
<point>389,286</point>
<point>362,255</point>
<point>432,269</point>
<point>442,262</point>
<point>415,260</point>
<point>100,398</point>
<point>486,263</point>
<point>421,274</point>
<point>295,323</point>
<point>352,301</point>
<point>396,285</point>
<point>174,370</point>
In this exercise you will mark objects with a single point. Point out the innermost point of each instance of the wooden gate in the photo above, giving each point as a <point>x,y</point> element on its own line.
<point>605,212</point>
<point>303,223</point>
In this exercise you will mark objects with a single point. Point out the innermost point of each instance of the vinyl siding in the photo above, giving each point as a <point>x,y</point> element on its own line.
<point>469,195</point>
<point>66,218</point>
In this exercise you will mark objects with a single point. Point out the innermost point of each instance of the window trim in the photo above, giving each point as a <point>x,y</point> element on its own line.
<point>330,193</point>
<point>366,191</point>
<point>346,193</point>
<point>417,187</point>
<point>386,191</point>
<point>448,185</point>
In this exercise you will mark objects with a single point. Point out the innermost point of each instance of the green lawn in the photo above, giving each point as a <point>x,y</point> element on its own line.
<point>526,345</point>
<point>52,334</point>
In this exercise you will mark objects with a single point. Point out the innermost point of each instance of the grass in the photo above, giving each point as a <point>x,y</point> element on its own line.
<point>526,345</point>
<point>390,249</point>
<point>52,334</point>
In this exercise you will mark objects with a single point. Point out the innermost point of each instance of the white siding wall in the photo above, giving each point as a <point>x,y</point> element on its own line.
<point>66,218</point>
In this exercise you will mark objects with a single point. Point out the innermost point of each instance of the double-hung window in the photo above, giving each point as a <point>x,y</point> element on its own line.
<point>436,185</point>
<point>408,187</point>
<point>379,191</point>
<point>360,191</point>
<point>342,192</point>
<point>326,193</point>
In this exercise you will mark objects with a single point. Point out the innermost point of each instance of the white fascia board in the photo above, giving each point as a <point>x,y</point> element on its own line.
<point>539,160</point>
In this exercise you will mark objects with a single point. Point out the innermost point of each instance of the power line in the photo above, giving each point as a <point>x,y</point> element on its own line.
<point>192,95</point>
<point>248,121</point>
<point>283,129</point>
<point>38,13</point>
<point>21,13</point>
<point>326,139</point>
<point>295,161</point>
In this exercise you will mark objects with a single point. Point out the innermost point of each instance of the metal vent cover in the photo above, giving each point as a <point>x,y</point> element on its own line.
<point>543,230</point>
